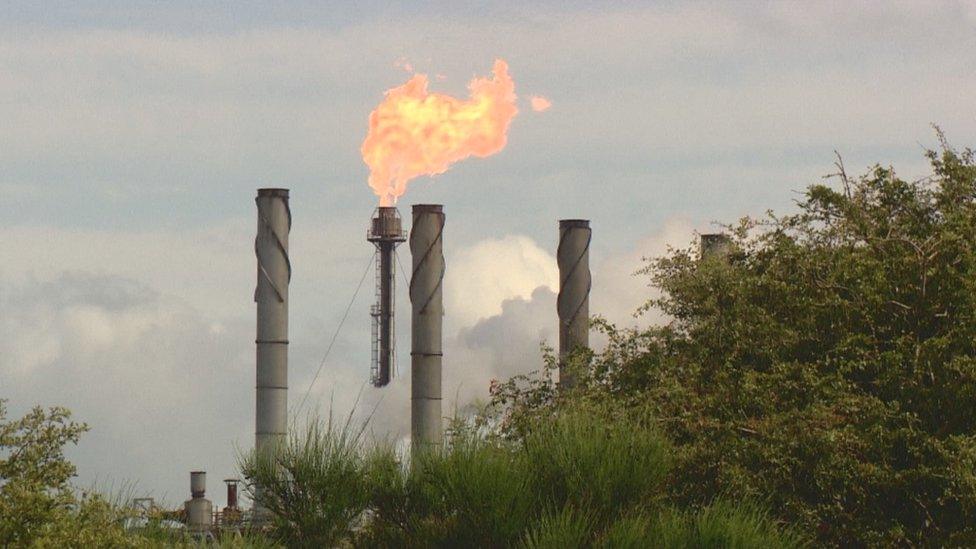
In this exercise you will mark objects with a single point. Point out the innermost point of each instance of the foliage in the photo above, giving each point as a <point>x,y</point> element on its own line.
<point>826,365</point>
<point>716,525</point>
<point>566,483</point>
<point>91,521</point>
<point>567,527</point>
<point>315,486</point>
<point>38,506</point>
<point>34,473</point>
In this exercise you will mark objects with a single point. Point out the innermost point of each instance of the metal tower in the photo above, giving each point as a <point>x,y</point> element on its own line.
<point>385,232</point>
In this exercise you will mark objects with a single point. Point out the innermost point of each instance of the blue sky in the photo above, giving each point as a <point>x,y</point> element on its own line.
<point>134,135</point>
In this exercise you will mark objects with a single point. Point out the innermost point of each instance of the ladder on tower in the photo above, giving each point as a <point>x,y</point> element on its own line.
<point>375,311</point>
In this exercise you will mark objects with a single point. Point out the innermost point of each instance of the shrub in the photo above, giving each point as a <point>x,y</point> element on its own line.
<point>567,482</point>
<point>315,487</point>
<point>38,505</point>
<point>826,365</point>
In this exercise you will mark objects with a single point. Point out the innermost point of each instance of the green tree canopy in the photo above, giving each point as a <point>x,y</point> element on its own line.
<point>38,505</point>
<point>34,473</point>
<point>826,364</point>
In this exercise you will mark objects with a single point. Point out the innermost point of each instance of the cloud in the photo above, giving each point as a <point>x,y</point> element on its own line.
<point>969,9</point>
<point>618,290</point>
<point>159,387</point>
<point>481,276</point>
<point>202,266</point>
<point>503,345</point>
<point>119,114</point>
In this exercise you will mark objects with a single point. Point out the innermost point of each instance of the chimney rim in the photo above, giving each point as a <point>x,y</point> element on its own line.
<point>423,208</point>
<point>273,191</point>
<point>574,222</point>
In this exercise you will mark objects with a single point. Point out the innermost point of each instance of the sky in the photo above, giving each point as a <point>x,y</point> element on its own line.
<point>133,136</point>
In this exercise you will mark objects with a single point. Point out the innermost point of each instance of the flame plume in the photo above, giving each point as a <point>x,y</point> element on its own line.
<point>414,132</point>
<point>539,103</point>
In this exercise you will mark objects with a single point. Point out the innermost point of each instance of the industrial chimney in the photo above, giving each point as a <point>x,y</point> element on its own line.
<point>231,493</point>
<point>426,321</point>
<point>573,302</point>
<point>385,232</point>
<point>198,509</point>
<point>229,520</point>
<point>715,245</point>
<point>271,296</point>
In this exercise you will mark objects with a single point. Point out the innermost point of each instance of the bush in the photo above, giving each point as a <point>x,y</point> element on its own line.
<point>718,525</point>
<point>567,482</point>
<point>568,527</point>
<point>38,506</point>
<point>314,487</point>
<point>826,365</point>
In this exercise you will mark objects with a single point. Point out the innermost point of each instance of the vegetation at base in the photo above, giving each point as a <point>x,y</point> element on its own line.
<point>316,486</point>
<point>826,365</point>
<point>40,508</point>
<point>590,477</point>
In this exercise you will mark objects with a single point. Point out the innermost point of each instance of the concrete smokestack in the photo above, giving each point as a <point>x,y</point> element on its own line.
<point>715,245</point>
<point>271,295</point>
<point>426,322</point>
<point>573,302</point>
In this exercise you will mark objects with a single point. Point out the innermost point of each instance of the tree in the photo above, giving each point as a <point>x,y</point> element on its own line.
<point>827,365</point>
<point>38,506</point>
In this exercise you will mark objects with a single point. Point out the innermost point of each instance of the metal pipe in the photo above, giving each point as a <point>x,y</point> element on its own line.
<point>387,281</point>
<point>198,483</point>
<point>271,296</point>
<point>426,299</point>
<point>231,492</point>
<point>573,302</point>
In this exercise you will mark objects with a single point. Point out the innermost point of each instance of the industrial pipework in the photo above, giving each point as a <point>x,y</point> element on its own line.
<point>426,299</point>
<point>573,302</point>
<point>271,296</point>
<point>385,232</point>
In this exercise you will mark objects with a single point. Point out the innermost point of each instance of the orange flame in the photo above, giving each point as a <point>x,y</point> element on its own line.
<point>539,103</point>
<point>402,63</point>
<point>414,132</point>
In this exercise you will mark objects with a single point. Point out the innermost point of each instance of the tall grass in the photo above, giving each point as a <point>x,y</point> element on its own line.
<point>720,525</point>
<point>597,461</point>
<point>316,486</point>
<point>583,477</point>
<point>568,527</point>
